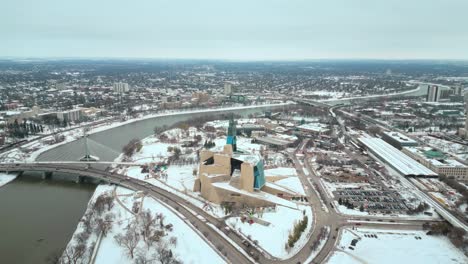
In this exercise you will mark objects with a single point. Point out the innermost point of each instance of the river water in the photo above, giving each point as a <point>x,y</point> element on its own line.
<point>38,217</point>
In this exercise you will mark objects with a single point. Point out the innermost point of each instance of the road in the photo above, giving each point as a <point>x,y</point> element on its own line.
<point>212,227</point>
<point>183,207</point>
<point>440,208</point>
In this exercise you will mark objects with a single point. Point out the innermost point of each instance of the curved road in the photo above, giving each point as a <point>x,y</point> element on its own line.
<point>210,226</point>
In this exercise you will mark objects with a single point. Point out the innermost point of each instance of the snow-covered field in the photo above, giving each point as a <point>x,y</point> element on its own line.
<point>293,184</point>
<point>394,246</point>
<point>6,178</point>
<point>273,237</point>
<point>189,246</point>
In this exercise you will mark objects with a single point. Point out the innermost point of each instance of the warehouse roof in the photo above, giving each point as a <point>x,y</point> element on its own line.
<point>397,159</point>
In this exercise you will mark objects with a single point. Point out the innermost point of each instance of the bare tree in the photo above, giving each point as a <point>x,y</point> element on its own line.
<point>104,225</point>
<point>164,254</point>
<point>142,258</point>
<point>102,201</point>
<point>129,240</point>
<point>374,130</point>
<point>74,254</point>
<point>147,223</point>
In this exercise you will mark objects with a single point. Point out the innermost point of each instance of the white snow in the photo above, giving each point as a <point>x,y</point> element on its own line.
<point>273,237</point>
<point>281,172</point>
<point>395,246</point>
<point>6,178</point>
<point>292,183</point>
<point>190,248</point>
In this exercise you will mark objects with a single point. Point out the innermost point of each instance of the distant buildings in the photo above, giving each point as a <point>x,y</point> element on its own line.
<point>314,129</point>
<point>438,162</point>
<point>433,93</point>
<point>70,115</point>
<point>22,114</point>
<point>121,87</point>
<point>437,93</point>
<point>398,140</point>
<point>228,89</point>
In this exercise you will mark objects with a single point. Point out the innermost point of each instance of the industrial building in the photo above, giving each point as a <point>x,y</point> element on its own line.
<point>398,140</point>
<point>314,129</point>
<point>396,159</point>
<point>438,162</point>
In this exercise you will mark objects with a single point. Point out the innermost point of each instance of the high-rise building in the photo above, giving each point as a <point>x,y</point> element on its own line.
<point>228,88</point>
<point>121,87</point>
<point>433,93</point>
<point>466,117</point>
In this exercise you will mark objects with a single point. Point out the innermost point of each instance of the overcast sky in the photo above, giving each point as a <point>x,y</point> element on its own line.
<point>237,29</point>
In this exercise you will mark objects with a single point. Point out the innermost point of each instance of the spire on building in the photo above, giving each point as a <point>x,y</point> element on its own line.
<point>231,134</point>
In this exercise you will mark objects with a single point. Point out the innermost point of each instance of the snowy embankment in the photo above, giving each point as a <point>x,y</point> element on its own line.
<point>6,178</point>
<point>30,151</point>
<point>127,216</point>
<point>105,127</point>
<point>394,246</point>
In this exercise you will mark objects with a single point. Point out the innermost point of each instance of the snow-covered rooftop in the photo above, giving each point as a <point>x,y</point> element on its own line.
<point>400,137</point>
<point>438,162</point>
<point>315,127</point>
<point>397,159</point>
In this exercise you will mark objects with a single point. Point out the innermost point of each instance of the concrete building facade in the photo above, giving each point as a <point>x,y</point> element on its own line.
<point>121,87</point>
<point>437,162</point>
<point>70,115</point>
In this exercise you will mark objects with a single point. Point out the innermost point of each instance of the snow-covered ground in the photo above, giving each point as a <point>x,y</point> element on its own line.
<point>189,247</point>
<point>29,152</point>
<point>395,246</point>
<point>293,184</point>
<point>273,237</point>
<point>6,178</point>
<point>281,172</point>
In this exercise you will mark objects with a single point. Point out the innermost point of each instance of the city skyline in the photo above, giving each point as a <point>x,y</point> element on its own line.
<point>264,30</point>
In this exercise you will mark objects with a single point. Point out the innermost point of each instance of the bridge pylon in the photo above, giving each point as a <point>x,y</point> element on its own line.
<point>87,156</point>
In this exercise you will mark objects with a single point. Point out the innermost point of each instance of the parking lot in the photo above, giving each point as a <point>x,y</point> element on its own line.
<point>373,200</point>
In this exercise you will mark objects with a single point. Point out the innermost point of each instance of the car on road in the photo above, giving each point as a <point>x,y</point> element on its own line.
<point>246,243</point>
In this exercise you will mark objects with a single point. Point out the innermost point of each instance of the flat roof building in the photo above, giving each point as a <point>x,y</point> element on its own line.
<point>314,128</point>
<point>398,140</point>
<point>438,162</point>
<point>396,159</point>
